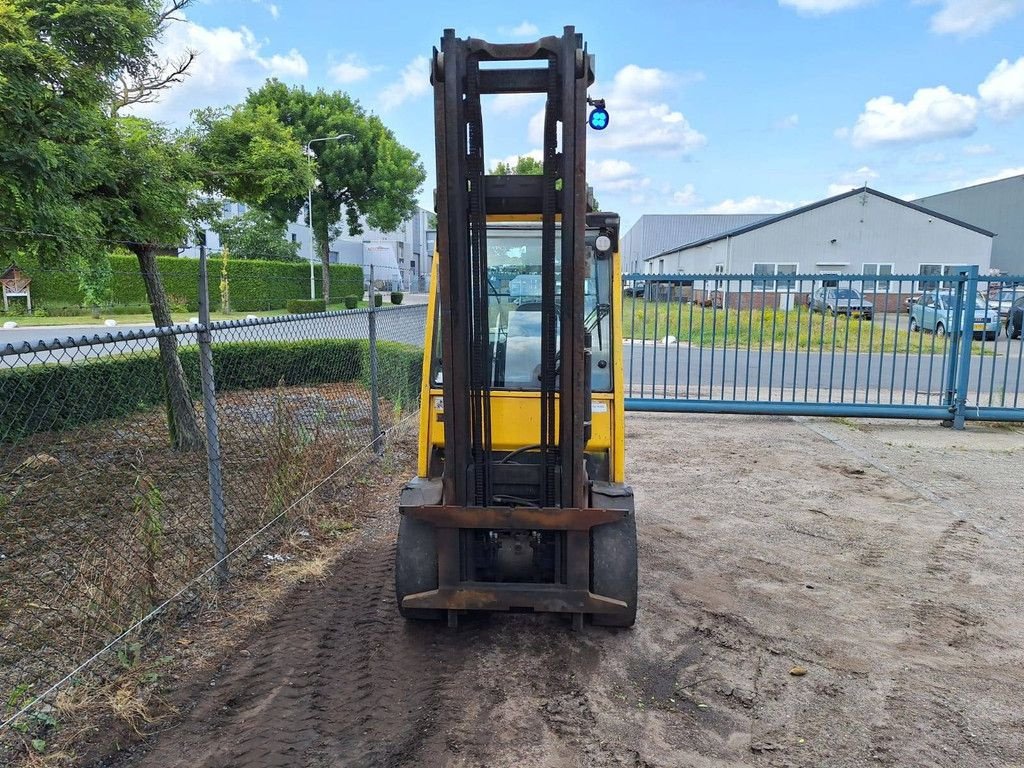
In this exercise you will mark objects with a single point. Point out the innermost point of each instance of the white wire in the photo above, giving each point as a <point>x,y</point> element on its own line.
<point>160,608</point>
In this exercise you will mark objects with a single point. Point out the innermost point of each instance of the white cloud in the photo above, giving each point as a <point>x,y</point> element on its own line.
<point>789,121</point>
<point>229,62</point>
<point>271,8</point>
<point>979,149</point>
<point>852,180</point>
<point>932,113</point>
<point>1006,173</point>
<point>838,189</point>
<point>414,81</point>
<point>536,154</point>
<point>686,197</point>
<point>967,18</point>
<point>751,204</point>
<point>511,103</point>
<point>351,70</point>
<point>526,29</point>
<point>640,119</point>
<point>822,7</point>
<point>1002,92</point>
<point>614,175</point>
<point>292,65</point>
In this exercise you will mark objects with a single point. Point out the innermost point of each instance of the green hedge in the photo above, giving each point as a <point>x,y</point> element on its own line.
<point>52,397</point>
<point>254,284</point>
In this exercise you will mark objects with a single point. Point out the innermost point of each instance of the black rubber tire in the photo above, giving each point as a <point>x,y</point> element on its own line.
<point>613,569</point>
<point>416,566</point>
<point>914,327</point>
<point>868,317</point>
<point>940,330</point>
<point>1012,331</point>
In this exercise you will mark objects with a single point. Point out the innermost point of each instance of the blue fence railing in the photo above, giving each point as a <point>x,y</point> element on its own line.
<point>945,346</point>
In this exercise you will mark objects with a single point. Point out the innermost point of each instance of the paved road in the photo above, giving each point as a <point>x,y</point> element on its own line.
<point>404,324</point>
<point>679,370</point>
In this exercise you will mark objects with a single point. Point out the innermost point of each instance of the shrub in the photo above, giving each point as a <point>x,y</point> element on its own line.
<point>351,302</point>
<point>45,398</point>
<point>306,306</point>
<point>255,284</point>
<point>396,297</point>
<point>378,300</point>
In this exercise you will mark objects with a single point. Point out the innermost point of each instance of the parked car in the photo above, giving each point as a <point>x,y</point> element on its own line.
<point>1015,319</point>
<point>1003,300</point>
<point>909,303</point>
<point>634,289</point>
<point>933,311</point>
<point>841,301</point>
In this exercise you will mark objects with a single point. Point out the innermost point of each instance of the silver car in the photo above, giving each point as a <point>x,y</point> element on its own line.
<point>841,301</point>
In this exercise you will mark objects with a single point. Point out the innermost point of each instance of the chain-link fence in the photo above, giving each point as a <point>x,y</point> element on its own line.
<point>138,467</point>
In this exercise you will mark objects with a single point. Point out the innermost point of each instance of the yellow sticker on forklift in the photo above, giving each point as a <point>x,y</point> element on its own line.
<point>599,406</point>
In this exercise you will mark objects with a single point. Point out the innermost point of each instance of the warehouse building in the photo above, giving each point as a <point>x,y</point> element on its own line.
<point>860,232</point>
<point>997,206</point>
<point>655,233</point>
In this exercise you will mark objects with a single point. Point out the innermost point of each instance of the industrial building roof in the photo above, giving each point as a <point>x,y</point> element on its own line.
<point>657,233</point>
<point>763,222</point>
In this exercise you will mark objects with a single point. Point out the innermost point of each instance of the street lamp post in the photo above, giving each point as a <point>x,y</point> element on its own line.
<point>309,203</point>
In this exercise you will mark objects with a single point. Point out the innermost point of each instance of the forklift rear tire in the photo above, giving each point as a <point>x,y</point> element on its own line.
<point>613,568</point>
<point>416,566</point>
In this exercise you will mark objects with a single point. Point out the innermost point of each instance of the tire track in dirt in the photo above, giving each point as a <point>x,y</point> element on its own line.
<point>337,679</point>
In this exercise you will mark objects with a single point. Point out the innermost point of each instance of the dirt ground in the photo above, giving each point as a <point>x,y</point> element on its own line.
<point>884,559</point>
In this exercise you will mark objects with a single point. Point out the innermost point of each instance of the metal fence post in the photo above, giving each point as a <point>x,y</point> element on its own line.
<point>966,324</point>
<point>953,345</point>
<point>378,448</point>
<point>213,465</point>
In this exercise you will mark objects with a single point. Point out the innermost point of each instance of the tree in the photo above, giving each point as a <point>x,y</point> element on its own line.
<point>76,178</point>
<point>254,235</point>
<point>57,63</point>
<point>524,166</point>
<point>368,175</point>
<point>146,199</point>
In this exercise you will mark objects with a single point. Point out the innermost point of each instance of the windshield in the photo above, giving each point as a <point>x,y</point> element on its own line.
<point>846,293</point>
<point>514,308</point>
<point>950,301</point>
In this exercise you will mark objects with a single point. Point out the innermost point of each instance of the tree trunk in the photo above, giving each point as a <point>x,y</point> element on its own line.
<point>325,276</point>
<point>181,416</point>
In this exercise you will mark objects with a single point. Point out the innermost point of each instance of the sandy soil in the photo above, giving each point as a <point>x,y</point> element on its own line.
<point>882,559</point>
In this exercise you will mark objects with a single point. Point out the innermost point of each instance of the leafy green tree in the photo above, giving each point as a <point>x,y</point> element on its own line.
<point>76,178</point>
<point>57,64</point>
<point>254,235</point>
<point>367,174</point>
<point>523,166</point>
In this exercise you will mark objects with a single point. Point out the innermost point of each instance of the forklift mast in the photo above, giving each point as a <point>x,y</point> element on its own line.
<point>508,510</point>
<point>465,198</point>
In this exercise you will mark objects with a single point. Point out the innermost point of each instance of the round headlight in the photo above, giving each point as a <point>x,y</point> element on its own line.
<point>603,243</point>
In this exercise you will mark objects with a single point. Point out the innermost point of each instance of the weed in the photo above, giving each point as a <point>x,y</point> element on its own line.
<point>149,506</point>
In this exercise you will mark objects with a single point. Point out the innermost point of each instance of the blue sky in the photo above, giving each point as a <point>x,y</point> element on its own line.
<point>716,105</point>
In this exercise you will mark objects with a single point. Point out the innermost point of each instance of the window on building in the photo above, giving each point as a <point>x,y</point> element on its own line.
<point>877,270</point>
<point>295,238</point>
<point>762,268</point>
<point>936,269</point>
<point>786,269</point>
<point>661,266</point>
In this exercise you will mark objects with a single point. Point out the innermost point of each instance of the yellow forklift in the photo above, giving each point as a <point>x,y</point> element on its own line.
<point>519,503</point>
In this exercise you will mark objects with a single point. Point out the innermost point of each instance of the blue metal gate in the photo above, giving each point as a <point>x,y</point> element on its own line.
<point>941,346</point>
